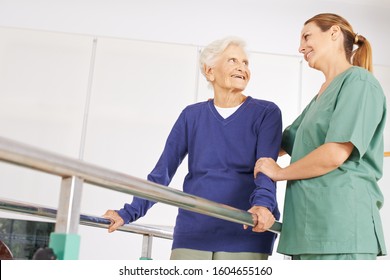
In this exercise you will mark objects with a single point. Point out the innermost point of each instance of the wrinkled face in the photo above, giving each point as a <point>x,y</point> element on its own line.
<point>315,44</point>
<point>231,72</point>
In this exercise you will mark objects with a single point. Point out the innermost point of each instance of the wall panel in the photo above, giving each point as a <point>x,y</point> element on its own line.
<point>382,73</point>
<point>43,82</point>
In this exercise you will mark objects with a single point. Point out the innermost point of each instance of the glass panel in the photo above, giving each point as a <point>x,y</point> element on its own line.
<point>24,238</point>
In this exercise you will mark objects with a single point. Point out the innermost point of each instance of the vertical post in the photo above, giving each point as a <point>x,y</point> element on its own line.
<point>146,247</point>
<point>65,241</point>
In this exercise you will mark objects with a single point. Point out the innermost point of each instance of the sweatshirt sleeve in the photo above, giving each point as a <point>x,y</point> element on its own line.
<point>173,154</point>
<point>269,140</point>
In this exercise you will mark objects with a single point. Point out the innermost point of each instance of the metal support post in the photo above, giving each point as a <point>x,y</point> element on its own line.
<point>147,247</point>
<point>65,241</point>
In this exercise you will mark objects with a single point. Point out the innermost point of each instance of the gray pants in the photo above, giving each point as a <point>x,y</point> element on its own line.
<point>189,254</point>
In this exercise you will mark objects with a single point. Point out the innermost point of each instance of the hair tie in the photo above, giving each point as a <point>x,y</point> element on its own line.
<point>356,38</point>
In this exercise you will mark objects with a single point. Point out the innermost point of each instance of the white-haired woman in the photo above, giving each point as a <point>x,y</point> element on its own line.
<point>222,137</point>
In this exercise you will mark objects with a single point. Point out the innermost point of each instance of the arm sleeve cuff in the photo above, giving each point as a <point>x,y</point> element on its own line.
<point>137,209</point>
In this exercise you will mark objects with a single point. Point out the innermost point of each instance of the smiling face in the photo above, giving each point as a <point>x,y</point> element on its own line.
<point>230,72</point>
<point>316,45</point>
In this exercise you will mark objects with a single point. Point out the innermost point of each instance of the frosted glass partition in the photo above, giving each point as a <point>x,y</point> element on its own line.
<point>43,82</point>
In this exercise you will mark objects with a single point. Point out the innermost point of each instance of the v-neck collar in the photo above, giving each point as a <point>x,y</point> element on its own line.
<point>333,83</point>
<point>232,116</point>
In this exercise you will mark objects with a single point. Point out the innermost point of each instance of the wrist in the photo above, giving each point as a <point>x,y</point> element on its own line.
<point>280,175</point>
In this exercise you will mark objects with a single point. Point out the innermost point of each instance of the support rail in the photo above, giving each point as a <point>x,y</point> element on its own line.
<point>87,220</point>
<point>75,172</point>
<point>31,157</point>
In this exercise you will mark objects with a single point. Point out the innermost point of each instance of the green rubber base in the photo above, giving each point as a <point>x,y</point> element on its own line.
<point>65,246</point>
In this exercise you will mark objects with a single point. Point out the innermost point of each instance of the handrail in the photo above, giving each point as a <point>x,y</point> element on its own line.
<point>87,220</point>
<point>38,159</point>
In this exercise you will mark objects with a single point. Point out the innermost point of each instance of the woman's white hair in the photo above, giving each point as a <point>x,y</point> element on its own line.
<point>212,51</point>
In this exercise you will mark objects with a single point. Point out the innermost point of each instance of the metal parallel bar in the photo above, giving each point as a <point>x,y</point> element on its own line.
<point>31,157</point>
<point>88,220</point>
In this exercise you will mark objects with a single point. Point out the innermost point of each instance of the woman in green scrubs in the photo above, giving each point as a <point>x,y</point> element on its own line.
<point>332,199</point>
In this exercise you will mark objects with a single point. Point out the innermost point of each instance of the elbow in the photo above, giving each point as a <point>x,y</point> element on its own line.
<point>339,153</point>
<point>336,163</point>
<point>338,160</point>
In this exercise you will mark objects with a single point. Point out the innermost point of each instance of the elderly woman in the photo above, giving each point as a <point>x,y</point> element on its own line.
<point>222,137</point>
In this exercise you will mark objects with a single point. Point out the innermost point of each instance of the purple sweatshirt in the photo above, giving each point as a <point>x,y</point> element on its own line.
<point>221,158</point>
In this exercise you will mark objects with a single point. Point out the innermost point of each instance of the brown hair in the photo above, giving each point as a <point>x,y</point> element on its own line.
<point>362,55</point>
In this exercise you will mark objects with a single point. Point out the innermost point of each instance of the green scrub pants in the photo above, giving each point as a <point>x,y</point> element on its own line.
<point>335,257</point>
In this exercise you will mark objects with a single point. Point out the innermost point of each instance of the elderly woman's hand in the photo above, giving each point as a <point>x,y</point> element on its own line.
<point>263,218</point>
<point>115,219</point>
<point>269,167</point>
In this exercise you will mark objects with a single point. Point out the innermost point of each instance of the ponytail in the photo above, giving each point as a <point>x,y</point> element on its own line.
<point>362,55</point>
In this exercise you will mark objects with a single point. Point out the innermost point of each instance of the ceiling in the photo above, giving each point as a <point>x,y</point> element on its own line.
<point>373,3</point>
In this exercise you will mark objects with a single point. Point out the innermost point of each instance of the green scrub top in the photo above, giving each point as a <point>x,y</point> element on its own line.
<point>338,212</point>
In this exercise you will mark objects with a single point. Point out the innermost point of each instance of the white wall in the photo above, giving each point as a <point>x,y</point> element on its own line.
<point>140,86</point>
<point>268,26</point>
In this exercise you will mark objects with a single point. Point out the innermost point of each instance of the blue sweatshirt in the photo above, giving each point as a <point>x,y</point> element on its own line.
<point>221,157</point>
